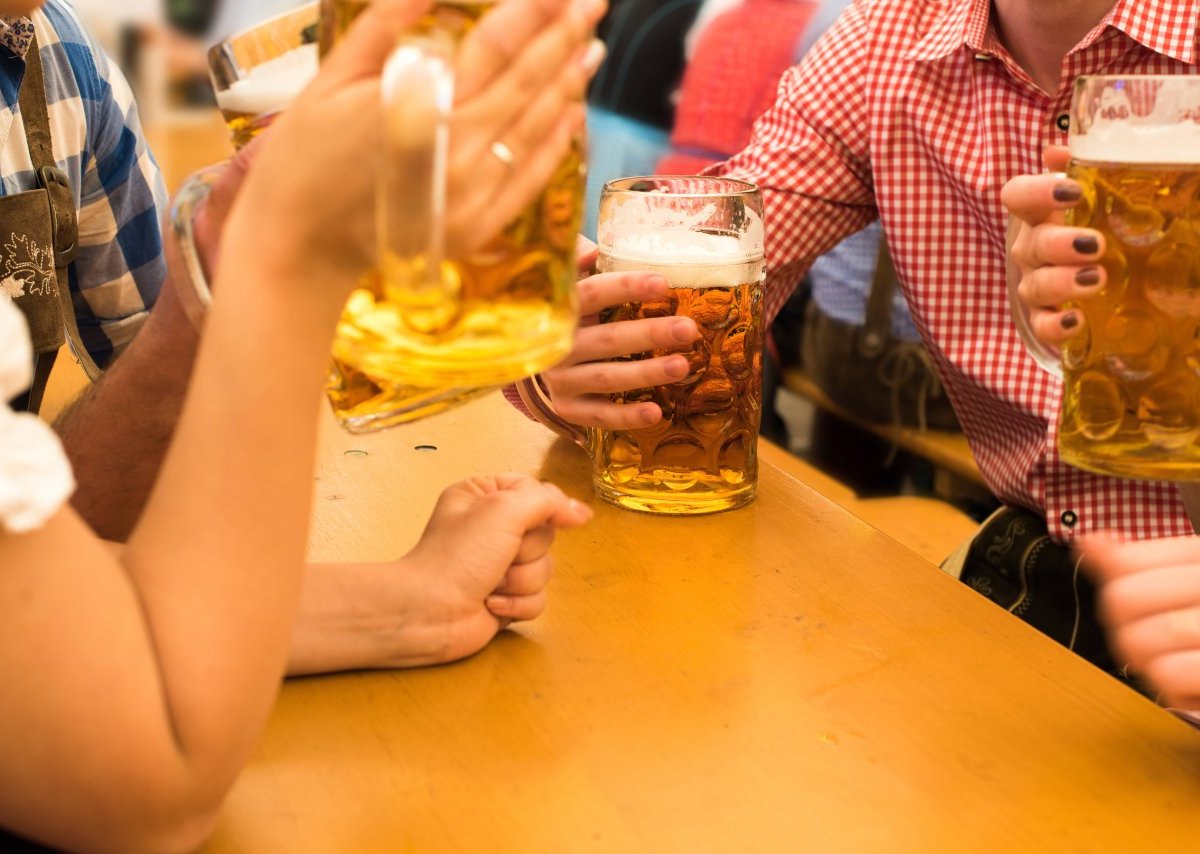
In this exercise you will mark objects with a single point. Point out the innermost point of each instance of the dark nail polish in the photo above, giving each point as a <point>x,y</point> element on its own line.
<point>643,186</point>
<point>1070,321</point>
<point>1066,192</point>
<point>1086,245</point>
<point>1088,276</point>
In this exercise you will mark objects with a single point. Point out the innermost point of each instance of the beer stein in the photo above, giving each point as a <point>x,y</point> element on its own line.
<point>1131,378</point>
<point>705,237</point>
<point>258,72</point>
<point>434,324</point>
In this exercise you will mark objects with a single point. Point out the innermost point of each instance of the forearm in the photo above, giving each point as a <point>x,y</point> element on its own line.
<point>117,434</point>
<point>365,617</point>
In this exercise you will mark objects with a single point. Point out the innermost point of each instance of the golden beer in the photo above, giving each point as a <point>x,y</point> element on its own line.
<point>506,311</point>
<point>1131,401</point>
<point>703,456</point>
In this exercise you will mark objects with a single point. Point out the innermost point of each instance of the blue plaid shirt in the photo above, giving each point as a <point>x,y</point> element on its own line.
<point>98,142</point>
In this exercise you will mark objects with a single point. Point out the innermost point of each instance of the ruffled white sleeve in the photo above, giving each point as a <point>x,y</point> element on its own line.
<point>35,477</point>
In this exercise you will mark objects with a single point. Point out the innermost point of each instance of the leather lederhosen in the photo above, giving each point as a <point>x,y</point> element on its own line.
<point>39,232</point>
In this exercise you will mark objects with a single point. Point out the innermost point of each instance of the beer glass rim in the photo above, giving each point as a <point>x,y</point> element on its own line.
<point>721,187</point>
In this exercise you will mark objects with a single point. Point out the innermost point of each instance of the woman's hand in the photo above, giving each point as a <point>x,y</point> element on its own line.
<point>582,384</point>
<point>521,78</point>
<point>1055,263</point>
<point>1149,600</point>
<point>484,559</point>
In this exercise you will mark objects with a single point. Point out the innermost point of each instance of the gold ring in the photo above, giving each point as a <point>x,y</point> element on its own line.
<point>504,154</point>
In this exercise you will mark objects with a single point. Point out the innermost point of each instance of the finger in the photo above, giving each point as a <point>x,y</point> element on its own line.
<point>1106,558</point>
<point>586,255</point>
<point>1050,287</point>
<point>1130,598</point>
<point>503,35</point>
<point>1062,245</point>
<point>594,378</point>
<point>1036,199</point>
<point>528,577</point>
<point>613,340</point>
<point>1056,327</point>
<point>606,290</point>
<point>369,42</point>
<point>1056,158</point>
<point>517,608</point>
<point>475,222</point>
<point>601,412</point>
<point>1178,677</point>
<point>1142,641</point>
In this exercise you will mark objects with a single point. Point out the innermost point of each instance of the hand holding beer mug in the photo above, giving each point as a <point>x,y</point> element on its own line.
<point>705,237</point>
<point>1131,376</point>
<point>450,311</point>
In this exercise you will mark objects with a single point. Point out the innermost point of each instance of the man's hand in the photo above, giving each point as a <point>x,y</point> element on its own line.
<point>1056,264</point>
<point>581,385</point>
<point>1150,603</point>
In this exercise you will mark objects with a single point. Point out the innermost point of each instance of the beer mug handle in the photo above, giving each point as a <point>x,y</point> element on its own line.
<point>417,99</point>
<point>1048,358</point>
<point>536,401</point>
<point>193,292</point>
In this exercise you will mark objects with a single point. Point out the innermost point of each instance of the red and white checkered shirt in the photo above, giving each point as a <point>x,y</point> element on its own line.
<point>912,109</point>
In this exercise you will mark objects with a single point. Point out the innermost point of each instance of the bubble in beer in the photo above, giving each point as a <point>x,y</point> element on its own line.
<point>1172,276</point>
<point>1135,346</point>
<point>1169,414</point>
<point>1100,407</point>
<point>1132,209</point>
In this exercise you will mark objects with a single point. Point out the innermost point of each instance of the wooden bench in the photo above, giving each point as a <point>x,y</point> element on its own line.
<point>927,526</point>
<point>956,475</point>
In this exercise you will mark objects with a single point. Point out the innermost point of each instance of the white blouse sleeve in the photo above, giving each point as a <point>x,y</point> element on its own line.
<point>35,477</point>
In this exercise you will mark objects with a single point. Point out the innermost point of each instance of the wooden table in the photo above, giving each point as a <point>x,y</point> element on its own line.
<point>781,678</point>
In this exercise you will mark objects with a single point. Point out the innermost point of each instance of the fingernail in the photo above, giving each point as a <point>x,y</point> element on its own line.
<point>593,57</point>
<point>656,285</point>
<point>683,330</point>
<point>1067,191</point>
<point>649,416</point>
<point>1088,276</point>
<point>677,369</point>
<point>1070,320</point>
<point>1086,245</point>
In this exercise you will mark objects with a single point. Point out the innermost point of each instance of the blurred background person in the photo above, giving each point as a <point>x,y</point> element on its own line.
<point>630,103</point>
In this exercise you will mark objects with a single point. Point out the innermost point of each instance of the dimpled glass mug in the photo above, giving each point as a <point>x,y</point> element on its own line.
<point>1131,378</point>
<point>705,237</point>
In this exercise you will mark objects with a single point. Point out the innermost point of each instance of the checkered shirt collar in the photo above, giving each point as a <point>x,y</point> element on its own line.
<point>1166,28</point>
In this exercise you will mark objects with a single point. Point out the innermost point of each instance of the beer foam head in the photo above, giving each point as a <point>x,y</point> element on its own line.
<point>272,86</point>
<point>686,259</point>
<point>1138,120</point>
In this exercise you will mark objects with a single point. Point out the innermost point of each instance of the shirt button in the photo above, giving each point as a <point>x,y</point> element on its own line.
<point>1069,518</point>
<point>1063,122</point>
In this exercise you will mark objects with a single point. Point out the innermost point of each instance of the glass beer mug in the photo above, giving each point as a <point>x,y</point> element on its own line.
<point>433,325</point>
<point>1131,378</point>
<point>705,237</point>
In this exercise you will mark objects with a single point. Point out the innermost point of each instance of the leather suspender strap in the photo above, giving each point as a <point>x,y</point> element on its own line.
<point>877,330</point>
<point>64,221</point>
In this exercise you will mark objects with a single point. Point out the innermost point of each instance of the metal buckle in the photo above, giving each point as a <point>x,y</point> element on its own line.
<point>47,176</point>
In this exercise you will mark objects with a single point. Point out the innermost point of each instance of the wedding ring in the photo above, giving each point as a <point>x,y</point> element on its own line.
<point>504,154</point>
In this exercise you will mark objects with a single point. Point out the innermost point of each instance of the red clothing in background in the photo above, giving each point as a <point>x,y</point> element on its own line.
<point>732,79</point>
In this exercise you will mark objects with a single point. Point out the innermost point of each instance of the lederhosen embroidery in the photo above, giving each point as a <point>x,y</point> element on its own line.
<point>39,232</point>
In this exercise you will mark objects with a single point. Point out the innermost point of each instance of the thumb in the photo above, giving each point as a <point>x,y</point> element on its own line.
<point>1056,158</point>
<point>369,42</point>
